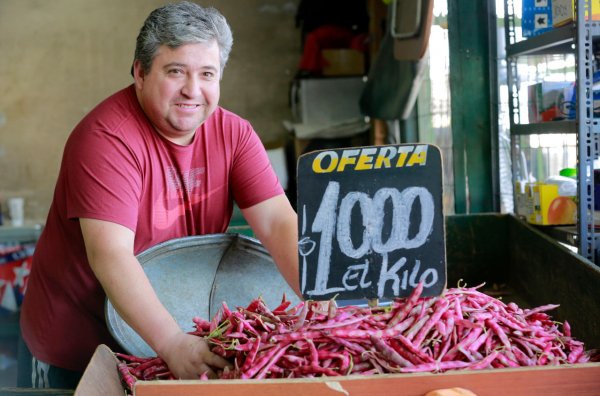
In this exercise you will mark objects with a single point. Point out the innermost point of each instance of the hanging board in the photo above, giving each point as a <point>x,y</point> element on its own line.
<point>371,223</point>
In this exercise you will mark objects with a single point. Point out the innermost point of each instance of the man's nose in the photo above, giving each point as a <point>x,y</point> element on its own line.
<point>192,87</point>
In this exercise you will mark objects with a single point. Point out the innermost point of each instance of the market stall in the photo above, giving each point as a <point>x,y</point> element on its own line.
<point>514,259</point>
<point>534,331</point>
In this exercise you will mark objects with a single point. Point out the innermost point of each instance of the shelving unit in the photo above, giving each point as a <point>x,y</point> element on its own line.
<point>577,38</point>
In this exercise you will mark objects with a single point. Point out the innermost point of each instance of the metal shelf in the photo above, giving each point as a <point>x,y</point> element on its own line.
<point>577,38</point>
<point>552,127</point>
<point>542,128</point>
<point>556,41</point>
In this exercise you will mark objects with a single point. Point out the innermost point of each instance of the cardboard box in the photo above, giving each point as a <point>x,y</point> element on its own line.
<point>101,378</point>
<point>536,17</point>
<point>546,207</point>
<point>563,12</point>
<point>547,101</point>
<point>343,62</point>
<point>521,207</point>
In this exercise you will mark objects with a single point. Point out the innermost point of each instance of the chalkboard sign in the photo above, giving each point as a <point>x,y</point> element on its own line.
<point>370,222</point>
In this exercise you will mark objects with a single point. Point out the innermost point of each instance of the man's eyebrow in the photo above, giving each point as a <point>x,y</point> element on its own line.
<point>174,64</point>
<point>183,65</point>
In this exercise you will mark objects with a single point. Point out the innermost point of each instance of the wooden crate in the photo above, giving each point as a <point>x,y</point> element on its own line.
<point>102,379</point>
<point>497,249</point>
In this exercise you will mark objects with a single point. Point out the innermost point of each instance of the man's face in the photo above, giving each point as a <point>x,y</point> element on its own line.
<point>181,90</point>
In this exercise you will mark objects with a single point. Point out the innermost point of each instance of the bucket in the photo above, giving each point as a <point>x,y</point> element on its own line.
<point>193,276</point>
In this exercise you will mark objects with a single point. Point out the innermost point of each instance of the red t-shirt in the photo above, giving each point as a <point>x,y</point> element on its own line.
<point>116,168</point>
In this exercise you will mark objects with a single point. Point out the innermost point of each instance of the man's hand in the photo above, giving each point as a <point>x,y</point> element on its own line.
<point>189,356</point>
<point>109,248</point>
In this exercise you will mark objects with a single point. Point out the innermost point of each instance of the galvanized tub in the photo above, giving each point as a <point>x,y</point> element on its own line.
<point>193,276</point>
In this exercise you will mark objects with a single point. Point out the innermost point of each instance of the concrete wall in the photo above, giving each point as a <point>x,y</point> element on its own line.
<point>59,58</point>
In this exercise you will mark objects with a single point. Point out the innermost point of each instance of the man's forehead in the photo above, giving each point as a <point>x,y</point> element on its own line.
<point>194,54</point>
<point>189,47</point>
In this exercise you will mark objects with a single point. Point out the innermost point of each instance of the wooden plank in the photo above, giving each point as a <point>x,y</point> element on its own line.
<point>578,380</point>
<point>35,392</point>
<point>556,381</point>
<point>101,377</point>
<point>241,388</point>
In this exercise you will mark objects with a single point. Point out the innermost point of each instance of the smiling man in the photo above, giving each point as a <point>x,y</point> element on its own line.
<point>181,90</point>
<point>157,160</point>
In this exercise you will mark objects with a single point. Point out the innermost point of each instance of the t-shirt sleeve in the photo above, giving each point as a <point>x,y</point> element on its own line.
<point>103,178</point>
<point>253,179</point>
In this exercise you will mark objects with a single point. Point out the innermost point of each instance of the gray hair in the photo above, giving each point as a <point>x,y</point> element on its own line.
<point>182,23</point>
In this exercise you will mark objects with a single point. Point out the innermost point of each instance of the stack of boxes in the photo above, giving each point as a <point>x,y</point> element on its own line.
<point>563,11</point>
<point>539,16</point>
<point>551,101</point>
<point>543,204</point>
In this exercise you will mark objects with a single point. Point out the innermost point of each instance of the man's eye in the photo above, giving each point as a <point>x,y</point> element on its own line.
<point>175,71</point>
<point>209,74</point>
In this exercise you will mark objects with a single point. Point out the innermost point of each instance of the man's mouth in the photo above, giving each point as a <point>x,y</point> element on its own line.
<point>187,106</point>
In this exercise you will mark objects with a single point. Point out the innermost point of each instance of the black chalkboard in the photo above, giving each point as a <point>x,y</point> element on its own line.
<point>370,222</point>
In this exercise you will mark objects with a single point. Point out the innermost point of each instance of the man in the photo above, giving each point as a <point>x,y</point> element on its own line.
<point>156,161</point>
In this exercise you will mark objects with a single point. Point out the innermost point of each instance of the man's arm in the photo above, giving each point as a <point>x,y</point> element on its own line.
<point>276,225</point>
<point>109,249</point>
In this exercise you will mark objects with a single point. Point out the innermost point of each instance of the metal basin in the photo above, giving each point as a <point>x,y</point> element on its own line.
<point>193,276</point>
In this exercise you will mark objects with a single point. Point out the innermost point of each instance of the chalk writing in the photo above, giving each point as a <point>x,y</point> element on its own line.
<point>372,215</point>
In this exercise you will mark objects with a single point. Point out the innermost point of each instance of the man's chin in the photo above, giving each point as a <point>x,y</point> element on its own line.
<point>187,125</point>
<point>178,136</point>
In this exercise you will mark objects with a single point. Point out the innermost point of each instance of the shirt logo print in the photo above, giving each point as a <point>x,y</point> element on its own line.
<point>189,180</point>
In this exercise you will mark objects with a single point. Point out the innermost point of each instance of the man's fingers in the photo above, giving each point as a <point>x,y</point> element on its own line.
<point>214,360</point>
<point>205,369</point>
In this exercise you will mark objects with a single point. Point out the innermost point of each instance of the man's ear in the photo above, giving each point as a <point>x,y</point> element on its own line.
<point>138,74</point>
